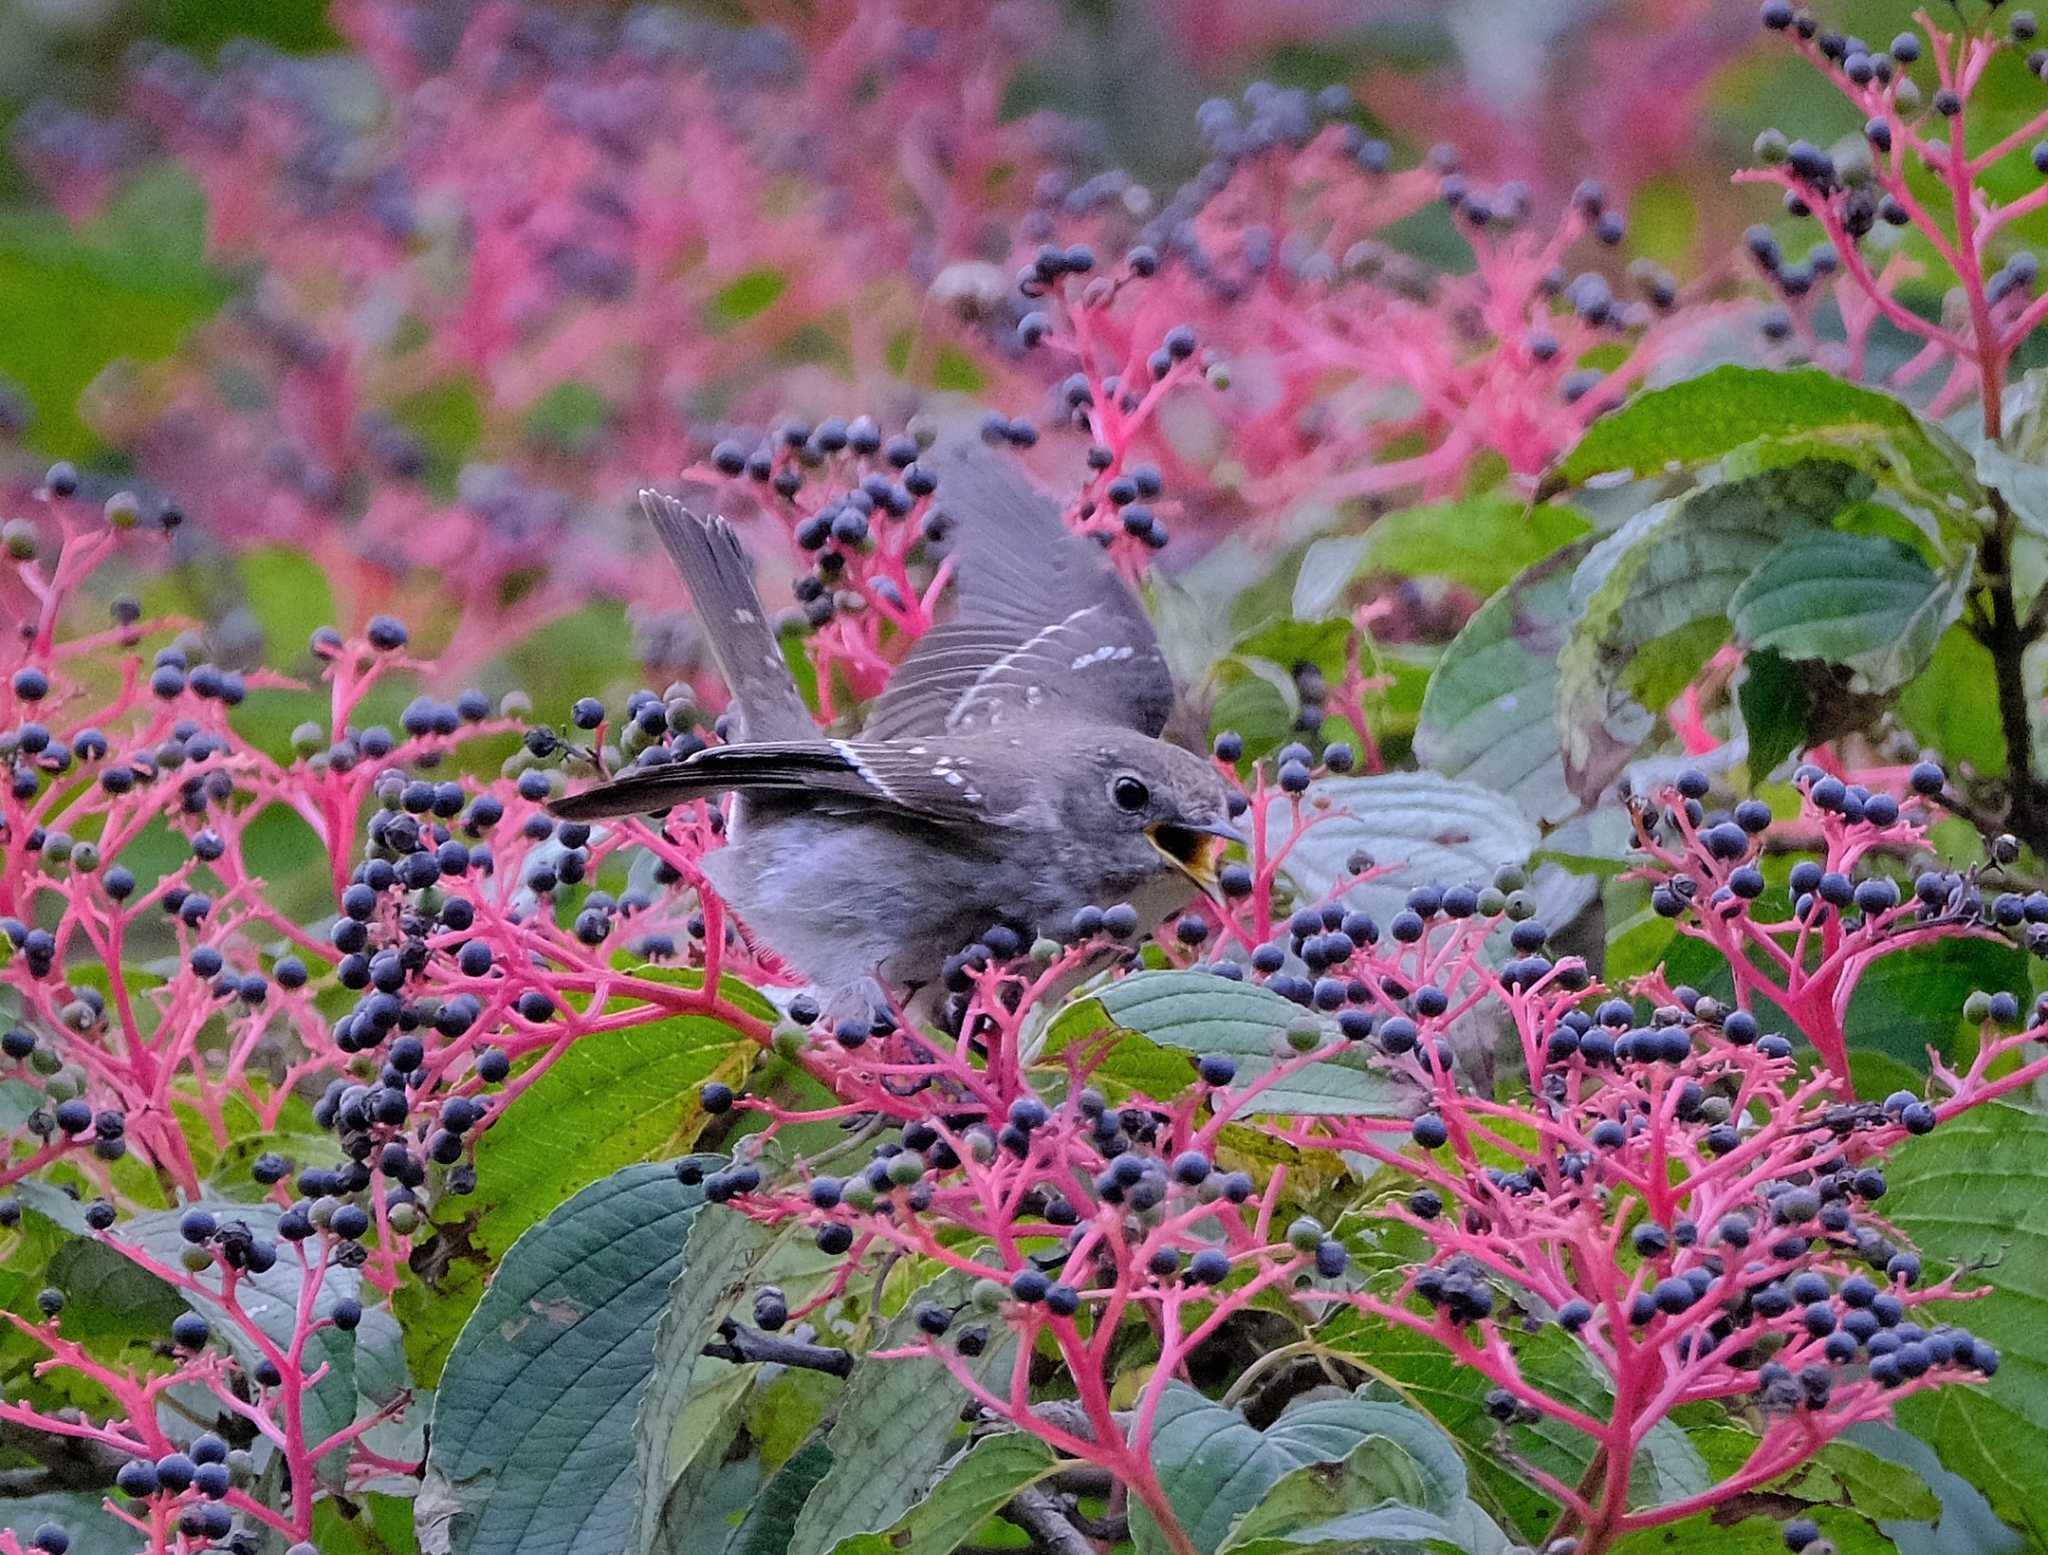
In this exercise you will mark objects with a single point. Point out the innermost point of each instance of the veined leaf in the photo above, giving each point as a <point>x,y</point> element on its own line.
<point>1706,418</point>
<point>1481,542</point>
<point>1424,828</point>
<point>1655,596</point>
<point>1976,1190</point>
<point>1216,1468</point>
<point>533,1423</point>
<point>893,1429</point>
<point>974,1488</point>
<point>620,1098</point>
<point>689,1413</point>
<point>1489,715</point>
<point>1164,1015</point>
<point>1869,604</point>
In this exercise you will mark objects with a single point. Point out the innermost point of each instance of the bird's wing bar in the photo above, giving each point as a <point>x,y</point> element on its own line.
<point>906,777</point>
<point>714,567</point>
<point>1041,618</point>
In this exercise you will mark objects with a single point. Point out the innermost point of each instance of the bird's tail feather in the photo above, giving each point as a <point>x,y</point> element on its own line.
<point>799,766</point>
<point>714,567</point>
<point>639,792</point>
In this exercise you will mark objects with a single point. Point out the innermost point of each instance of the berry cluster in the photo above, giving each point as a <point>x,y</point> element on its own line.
<point>1859,189</point>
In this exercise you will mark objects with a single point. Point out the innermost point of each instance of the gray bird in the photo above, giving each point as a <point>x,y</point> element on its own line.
<point>1010,773</point>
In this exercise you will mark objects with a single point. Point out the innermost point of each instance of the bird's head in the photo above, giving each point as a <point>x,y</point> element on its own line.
<point>1151,808</point>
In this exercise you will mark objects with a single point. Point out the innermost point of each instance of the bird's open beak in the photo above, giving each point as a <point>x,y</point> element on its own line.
<point>1194,850</point>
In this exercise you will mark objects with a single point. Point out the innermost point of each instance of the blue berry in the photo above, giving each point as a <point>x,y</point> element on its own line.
<point>1210,1266</point>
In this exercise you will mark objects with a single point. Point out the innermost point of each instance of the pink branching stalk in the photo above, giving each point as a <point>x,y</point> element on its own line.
<point>1914,135</point>
<point>554,268</point>
<point>1681,1196</point>
<point>1333,351</point>
<point>109,737</point>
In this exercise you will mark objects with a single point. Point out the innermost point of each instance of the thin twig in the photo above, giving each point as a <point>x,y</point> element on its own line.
<point>749,1345</point>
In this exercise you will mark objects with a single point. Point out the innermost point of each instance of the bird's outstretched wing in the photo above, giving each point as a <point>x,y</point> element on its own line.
<point>909,778</point>
<point>1041,619</point>
<point>728,606</point>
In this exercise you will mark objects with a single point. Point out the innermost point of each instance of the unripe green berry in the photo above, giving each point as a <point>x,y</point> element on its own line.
<point>19,535</point>
<point>1770,147</point>
<point>85,857</point>
<point>989,1295</point>
<point>906,1169</point>
<point>1521,905</point>
<point>1492,903</point>
<point>404,1218</point>
<point>858,1196</point>
<point>123,511</point>
<point>1304,1033</point>
<point>195,1259</point>
<point>1044,949</point>
<point>1977,1008</point>
<point>1305,1235</point>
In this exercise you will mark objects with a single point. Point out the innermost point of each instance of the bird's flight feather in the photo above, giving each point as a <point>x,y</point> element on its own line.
<point>1040,619</point>
<point>714,566</point>
<point>1041,622</point>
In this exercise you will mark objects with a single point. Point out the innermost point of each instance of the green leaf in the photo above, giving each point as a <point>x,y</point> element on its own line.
<point>1489,715</point>
<point>1666,577</point>
<point>1874,1487</point>
<point>974,1488</point>
<point>745,296</point>
<point>1946,709</point>
<point>1327,569</point>
<point>1977,1189</point>
<point>1775,705</point>
<point>1381,1530</point>
<point>1215,1467</point>
<point>1912,1000</point>
<point>72,303</point>
<point>610,1101</point>
<point>771,1517</point>
<point>1452,1397</point>
<point>895,1425</point>
<point>2017,463</point>
<point>571,419</point>
<point>1382,1473</point>
<point>1855,600</point>
<point>689,1413</point>
<point>289,595</point>
<point>1253,706</point>
<point>1285,643</point>
<point>1481,542</point>
<point>94,1530</point>
<point>1166,1014</point>
<point>1419,827</point>
<point>533,1423</point>
<point>447,416</point>
<point>1705,418</point>
<point>1849,1532</point>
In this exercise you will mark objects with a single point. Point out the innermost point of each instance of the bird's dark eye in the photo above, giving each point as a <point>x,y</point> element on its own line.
<point>1130,793</point>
